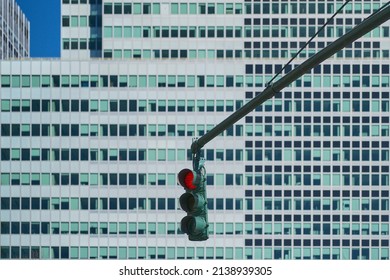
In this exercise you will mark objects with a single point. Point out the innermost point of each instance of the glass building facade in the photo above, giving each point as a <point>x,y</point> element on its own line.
<point>14,31</point>
<point>91,143</point>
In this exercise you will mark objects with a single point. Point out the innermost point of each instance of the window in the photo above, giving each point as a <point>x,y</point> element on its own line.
<point>107,31</point>
<point>107,8</point>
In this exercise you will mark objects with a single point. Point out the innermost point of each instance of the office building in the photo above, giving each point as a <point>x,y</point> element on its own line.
<point>14,31</point>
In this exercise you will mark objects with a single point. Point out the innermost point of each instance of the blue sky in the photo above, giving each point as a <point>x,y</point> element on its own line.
<point>44,17</point>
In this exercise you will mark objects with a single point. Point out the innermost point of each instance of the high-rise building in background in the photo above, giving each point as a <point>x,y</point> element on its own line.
<point>14,31</point>
<point>91,143</point>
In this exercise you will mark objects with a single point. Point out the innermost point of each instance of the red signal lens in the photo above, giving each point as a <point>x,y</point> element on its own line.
<point>188,179</point>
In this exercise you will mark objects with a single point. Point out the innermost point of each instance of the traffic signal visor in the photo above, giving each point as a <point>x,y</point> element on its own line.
<point>188,179</point>
<point>194,227</point>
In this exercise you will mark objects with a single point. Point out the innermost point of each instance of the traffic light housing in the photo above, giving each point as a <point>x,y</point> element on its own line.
<point>194,202</point>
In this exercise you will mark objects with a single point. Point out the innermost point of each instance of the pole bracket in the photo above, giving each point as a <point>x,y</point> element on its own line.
<point>197,160</point>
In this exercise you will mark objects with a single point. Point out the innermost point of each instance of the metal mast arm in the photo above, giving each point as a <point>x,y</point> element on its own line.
<point>357,32</point>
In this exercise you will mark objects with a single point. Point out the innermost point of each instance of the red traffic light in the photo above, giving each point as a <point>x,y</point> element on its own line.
<point>187,178</point>
<point>194,202</point>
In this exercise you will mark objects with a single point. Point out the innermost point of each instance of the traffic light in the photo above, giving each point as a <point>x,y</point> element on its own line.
<point>194,202</point>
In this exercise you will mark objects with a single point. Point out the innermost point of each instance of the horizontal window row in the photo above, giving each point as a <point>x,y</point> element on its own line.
<point>123,130</point>
<point>66,154</point>
<point>287,154</point>
<point>92,252</point>
<point>87,203</point>
<point>106,179</point>
<point>171,130</point>
<point>162,179</point>
<point>303,21</point>
<point>84,179</point>
<point>140,81</point>
<point>177,31</point>
<point>76,43</point>
<point>184,8</point>
<point>132,228</point>
<point>221,253</point>
<point>323,229</point>
<point>172,54</point>
<point>264,31</point>
<point>320,204</point>
<point>123,105</point>
<point>316,194</point>
<point>295,7</point>
<point>114,203</point>
<point>316,180</point>
<point>97,154</point>
<point>335,105</point>
<point>312,45</point>
<point>151,81</point>
<point>367,53</point>
<point>132,105</point>
<point>190,81</point>
<point>317,130</point>
<point>266,8</point>
<point>90,228</point>
<point>315,155</point>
